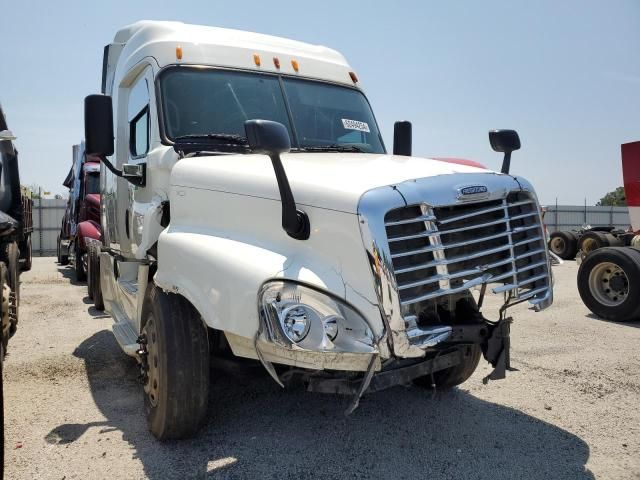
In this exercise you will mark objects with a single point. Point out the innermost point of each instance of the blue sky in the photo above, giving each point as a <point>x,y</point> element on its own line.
<point>565,74</point>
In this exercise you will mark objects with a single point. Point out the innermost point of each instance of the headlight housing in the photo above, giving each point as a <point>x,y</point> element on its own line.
<point>296,315</point>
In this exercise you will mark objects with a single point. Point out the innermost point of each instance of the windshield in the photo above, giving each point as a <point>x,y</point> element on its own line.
<point>316,114</point>
<point>92,183</point>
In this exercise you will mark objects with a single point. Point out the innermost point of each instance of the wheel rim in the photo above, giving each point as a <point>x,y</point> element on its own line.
<point>557,245</point>
<point>152,384</point>
<point>608,284</point>
<point>588,245</point>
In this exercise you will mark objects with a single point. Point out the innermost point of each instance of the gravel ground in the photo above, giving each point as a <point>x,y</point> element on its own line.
<point>74,407</point>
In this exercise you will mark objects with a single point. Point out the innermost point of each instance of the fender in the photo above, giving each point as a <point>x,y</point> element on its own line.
<point>88,229</point>
<point>221,277</point>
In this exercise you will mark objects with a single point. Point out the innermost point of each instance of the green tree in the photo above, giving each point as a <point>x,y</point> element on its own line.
<point>613,199</point>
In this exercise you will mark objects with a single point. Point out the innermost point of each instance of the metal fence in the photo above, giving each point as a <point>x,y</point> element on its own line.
<point>48,213</point>
<point>567,217</point>
<point>47,218</point>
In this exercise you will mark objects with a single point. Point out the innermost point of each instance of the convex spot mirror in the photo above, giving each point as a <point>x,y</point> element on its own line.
<point>7,135</point>
<point>504,140</point>
<point>267,137</point>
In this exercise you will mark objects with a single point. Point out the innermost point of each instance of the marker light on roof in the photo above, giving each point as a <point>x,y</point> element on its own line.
<point>354,77</point>
<point>179,52</point>
<point>256,59</point>
<point>276,62</point>
<point>294,64</point>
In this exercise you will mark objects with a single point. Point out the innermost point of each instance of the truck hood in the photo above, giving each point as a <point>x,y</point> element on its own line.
<point>326,180</point>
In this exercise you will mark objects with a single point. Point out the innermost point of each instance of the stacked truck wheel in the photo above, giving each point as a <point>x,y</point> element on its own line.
<point>594,240</point>
<point>564,244</point>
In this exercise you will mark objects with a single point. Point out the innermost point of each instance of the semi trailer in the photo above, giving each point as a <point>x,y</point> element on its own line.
<point>250,208</point>
<point>609,277</point>
<point>81,222</point>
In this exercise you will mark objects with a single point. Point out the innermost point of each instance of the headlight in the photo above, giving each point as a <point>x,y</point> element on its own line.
<point>296,315</point>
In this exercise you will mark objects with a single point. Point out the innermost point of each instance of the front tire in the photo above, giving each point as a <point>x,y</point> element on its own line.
<point>454,376</point>
<point>177,362</point>
<point>27,257</point>
<point>63,259</point>
<point>10,255</point>
<point>94,288</point>
<point>81,273</point>
<point>609,283</point>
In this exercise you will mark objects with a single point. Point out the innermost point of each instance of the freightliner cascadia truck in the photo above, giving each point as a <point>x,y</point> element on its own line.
<point>250,207</point>
<point>81,223</point>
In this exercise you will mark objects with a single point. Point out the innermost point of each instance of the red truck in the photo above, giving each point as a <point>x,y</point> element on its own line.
<point>81,222</point>
<point>609,278</point>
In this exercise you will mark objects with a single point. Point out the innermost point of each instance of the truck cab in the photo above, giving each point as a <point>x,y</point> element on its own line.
<point>250,208</point>
<point>81,222</point>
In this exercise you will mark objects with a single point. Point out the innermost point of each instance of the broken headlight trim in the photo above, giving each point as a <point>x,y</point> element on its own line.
<point>297,315</point>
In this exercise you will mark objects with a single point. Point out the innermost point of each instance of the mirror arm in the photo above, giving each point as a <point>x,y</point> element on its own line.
<point>295,222</point>
<point>506,162</point>
<point>139,181</point>
<point>109,165</point>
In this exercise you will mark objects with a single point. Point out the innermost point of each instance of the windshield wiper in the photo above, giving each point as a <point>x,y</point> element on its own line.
<point>332,148</point>
<point>211,142</point>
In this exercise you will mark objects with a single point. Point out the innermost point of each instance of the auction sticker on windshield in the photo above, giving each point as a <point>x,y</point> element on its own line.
<point>355,125</point>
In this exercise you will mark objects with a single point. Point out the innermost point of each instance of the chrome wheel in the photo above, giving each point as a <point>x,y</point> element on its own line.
<point>608,284</point>
<point>557,245</point>
<point>152,380</point>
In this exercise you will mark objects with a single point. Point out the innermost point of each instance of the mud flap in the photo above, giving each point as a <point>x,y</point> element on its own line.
<point>496,350</point>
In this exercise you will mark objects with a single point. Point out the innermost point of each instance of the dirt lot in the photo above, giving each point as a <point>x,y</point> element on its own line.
<point>74,407</point>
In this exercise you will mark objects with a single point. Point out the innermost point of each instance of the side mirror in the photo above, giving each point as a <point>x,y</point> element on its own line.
<point>504,141</point>
<point>98,125</point>
<point>272,139</point>
<point>7,135</point>
<point>402,138</point>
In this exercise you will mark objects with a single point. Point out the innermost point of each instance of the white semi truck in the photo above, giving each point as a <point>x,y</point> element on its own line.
<point>250,207</point>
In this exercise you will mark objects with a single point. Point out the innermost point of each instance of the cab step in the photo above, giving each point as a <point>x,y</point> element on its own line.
<point>126,337</point>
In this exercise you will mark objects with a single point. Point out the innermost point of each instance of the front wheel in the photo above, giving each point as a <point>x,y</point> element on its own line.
<point>175,363</point>
<point>81,272</point>
<point>27,254</point>
<point>609,283</point>
<point>94,288</point>
<point>454,376</point>
<point>63,258</point>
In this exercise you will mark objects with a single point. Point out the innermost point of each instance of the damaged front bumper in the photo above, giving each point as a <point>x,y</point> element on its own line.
<point>359,373</point>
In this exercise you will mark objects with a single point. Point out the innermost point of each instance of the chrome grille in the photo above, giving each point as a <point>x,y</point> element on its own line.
<point>445,250</point>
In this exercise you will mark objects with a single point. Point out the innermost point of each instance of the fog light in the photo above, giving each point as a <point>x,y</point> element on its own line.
<point>295,323</point>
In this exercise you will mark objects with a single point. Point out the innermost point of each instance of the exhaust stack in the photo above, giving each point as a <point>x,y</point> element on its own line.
<point>631,176</point>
